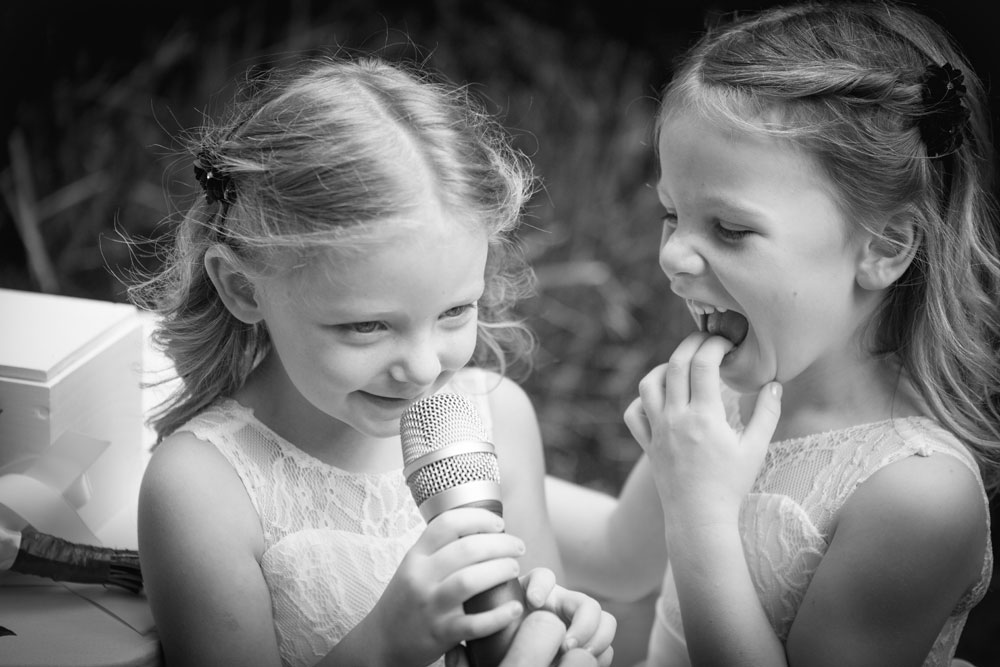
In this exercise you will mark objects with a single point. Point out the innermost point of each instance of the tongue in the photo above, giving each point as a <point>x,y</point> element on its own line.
<point>729,324</point>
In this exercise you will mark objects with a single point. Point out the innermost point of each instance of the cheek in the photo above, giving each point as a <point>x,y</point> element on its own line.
<point>460,348</point>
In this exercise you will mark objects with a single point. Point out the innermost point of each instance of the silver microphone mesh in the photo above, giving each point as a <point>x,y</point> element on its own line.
<point>435,423</point>
<point>438,421</point>
<point>447,473</point>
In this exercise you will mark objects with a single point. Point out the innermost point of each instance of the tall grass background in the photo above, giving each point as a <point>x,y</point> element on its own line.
<point>98,95</point>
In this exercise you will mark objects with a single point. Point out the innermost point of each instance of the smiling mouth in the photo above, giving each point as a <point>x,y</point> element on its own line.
<point>720,322</point>
<point>386,400</point>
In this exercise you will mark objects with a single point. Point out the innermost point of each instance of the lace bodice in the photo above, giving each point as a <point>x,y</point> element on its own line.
<point>332,539</point>
<point>785,523</point>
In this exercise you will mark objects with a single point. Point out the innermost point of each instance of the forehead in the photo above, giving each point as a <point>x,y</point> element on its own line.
<point>711,157</point>
<point>439,253</point>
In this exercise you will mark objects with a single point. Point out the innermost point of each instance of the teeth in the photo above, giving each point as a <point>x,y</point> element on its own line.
<point>700,308</point>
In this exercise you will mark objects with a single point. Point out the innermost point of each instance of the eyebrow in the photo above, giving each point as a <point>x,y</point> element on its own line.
<point>727,208</point>
<point>738,210</point>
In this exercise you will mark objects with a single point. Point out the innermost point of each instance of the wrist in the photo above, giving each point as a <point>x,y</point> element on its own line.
<point>700,515</point>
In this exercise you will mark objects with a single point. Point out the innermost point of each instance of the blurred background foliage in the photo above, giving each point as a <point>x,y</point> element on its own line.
<point>99,93</point>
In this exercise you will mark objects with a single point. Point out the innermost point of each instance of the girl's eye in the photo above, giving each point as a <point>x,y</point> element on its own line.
<point>458,311</point>
<point>363,327</point>
<point>669,219</point>
<point>730,234</point>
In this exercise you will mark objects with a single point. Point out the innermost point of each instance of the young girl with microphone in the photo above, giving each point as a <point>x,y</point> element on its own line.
<point>353,252</point>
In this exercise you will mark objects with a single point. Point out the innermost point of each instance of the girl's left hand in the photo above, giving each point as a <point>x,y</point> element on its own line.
<point>588,626</point>
<point>703,467</point>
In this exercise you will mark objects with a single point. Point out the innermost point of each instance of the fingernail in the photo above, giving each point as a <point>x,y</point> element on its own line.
<point>517,610</point>
<point>571,643</point>
<point>776,389</point>
<point>521,548</point>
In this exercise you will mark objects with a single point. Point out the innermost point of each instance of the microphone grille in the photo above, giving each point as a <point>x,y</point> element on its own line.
<point>453,471</point>
<point>438,421</point>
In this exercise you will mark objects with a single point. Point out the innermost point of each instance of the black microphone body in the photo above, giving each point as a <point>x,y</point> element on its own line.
<point>451,464</point>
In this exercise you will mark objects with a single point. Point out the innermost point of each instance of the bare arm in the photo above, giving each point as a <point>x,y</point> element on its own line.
<point>908,544</point>
<point>200,542</point>
<point>612,547</point>
<point>522,474</point>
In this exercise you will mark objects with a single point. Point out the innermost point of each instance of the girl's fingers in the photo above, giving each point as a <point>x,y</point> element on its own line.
<point>448,527</point>
<point>705,381</point>
<point>537,642</point>
<point>678,370</point>
<point>638,423</point>
<point>462,584</point>
<point>764,419</point>
<point>606,658</point>
<point>590,627</point>
<point>537,585</point>
<point>472,549</point>
<point>600,641</point>
<point>483,624</point>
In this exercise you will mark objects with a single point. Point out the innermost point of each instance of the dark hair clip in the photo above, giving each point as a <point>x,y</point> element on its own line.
<point>944,119</point>
<point>217,184</point>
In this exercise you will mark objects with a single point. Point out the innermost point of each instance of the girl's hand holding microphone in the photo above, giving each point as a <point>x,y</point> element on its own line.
<point>703,466</point>
<point>462,552</point>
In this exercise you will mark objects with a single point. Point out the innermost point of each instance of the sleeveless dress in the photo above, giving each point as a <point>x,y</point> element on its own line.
<point>785,522</point>
<point>332,539</point>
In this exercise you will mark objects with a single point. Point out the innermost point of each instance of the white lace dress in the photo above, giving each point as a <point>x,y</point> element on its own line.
<point>332,538</point>
<point>785,523</point>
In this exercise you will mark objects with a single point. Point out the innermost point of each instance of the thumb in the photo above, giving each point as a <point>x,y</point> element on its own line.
<point>766,412</point>
<point>638,423</point>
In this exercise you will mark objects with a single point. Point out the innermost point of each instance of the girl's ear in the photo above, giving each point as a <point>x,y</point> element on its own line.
<point>237,292</point>
<point>886,256</point>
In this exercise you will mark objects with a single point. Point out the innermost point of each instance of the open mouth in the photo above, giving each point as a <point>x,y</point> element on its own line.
<point>720,322</point>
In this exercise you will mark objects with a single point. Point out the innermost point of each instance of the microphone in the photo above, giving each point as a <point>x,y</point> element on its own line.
<point>450,463</point>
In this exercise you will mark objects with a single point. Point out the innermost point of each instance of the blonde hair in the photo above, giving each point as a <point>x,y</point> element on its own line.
<point>319,156</point>
<point>846,83</point>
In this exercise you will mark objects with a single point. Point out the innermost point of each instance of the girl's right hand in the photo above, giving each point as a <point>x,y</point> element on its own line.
<point>461,553</point>
<point>702,466</point>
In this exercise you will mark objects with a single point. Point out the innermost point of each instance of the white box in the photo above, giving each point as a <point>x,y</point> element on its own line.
<point>70,381</point>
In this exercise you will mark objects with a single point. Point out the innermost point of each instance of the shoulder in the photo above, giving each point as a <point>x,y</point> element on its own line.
<point>189,487</point>
<point>514,426</point>
<point>181,460</point>
<point>909,543</point>
<point>507,397</point>
<point>930,493</point>
<point>929,513</point>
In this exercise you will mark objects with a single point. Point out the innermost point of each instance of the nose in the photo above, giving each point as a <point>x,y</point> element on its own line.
<point>419,362</point>
<point>679,254</point>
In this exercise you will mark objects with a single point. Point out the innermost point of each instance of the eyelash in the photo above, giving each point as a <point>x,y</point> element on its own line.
<point>363,328</point>
<point>366,328</point>
<point>458,311</point>
<point>725,233</point>
<point>731,234</point>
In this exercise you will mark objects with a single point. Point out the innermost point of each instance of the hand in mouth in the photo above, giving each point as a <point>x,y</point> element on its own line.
<point>719,321</point>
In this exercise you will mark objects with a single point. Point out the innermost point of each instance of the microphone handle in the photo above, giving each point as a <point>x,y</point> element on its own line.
<point>490,650</point>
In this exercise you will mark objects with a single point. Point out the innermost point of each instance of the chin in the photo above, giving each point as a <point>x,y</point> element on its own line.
<point>744,380</point>
<point>378,430</point>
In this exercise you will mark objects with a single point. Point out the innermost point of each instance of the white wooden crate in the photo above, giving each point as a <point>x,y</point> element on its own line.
<point>70,385</point>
